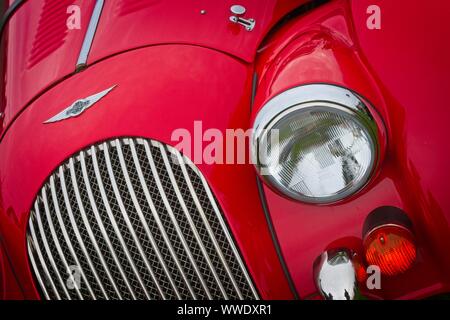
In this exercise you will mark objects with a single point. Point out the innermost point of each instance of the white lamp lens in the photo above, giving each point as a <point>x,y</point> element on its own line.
<point>324,152</point>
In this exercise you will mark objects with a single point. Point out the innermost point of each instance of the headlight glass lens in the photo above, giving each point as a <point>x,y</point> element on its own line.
<point>324,152</point>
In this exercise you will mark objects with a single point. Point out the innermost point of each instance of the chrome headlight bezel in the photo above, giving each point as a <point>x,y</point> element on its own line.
<point>332,99</point>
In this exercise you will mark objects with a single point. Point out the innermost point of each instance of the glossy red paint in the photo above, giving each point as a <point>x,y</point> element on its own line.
<point>199,67</point>
<point>9,288</point>
<point>142,23</point>
<point>40,51</point>
<point>403,80</point>
<point>141,106</point>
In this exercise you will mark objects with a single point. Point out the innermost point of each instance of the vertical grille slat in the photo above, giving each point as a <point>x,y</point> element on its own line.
<point>191,223</point>
<point>126,218</point>
<point>136,220</point>
<point>206,223</point>
<point>48,280</point>
<point>66,239</point>
<point>112,221</point>
<point>61,265</point>
<point>143,222</point>
<point>37,272</point>
<point>48,252</point>
<point>160,226</point>
<point>85,220</point>
<point>230,242</point>
<point>77,233</point>
<point>172,216</point>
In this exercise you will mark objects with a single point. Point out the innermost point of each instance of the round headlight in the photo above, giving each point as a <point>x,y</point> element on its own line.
<point>316,143</point>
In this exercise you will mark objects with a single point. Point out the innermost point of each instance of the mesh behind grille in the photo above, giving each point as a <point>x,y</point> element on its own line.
<point>132,219</point>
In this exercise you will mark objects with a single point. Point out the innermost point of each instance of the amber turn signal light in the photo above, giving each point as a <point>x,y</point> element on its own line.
<point>389,244</point>
<point>391,248</point>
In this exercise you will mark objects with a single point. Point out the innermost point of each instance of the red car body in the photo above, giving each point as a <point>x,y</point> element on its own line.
<point>174,65</point>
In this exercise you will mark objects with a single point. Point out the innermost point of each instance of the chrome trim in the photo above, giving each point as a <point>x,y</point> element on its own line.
<point>79,106</point>
<point>237,17</point>
<point>238,10</point>
<point>89,36</point>
<point>37,273</point>
<point>183,161</point>
<point>84,216</point>
<point>124,214</point>
<point>114,224</point>
<point>124,211</point>
<point>143,222</point>
<point>172,217</point>
<point>317,97</point>
<point>191,223</point>
<point>156,217</point>
<point>77,231</point>
<point>65,236</point>
<point>303,94</point>
<point>35,243</point>
<point>335,275</point>
<point>205,221</point>
<point>228,236</point>
<point>49,253</point>
<point>137,225</point>
<point>41,258</point>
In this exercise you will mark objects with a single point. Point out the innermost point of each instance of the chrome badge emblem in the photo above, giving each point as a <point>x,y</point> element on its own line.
<point>79,106</point>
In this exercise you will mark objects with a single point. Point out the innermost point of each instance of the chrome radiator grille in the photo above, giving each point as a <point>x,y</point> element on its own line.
<point>132,219</point>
